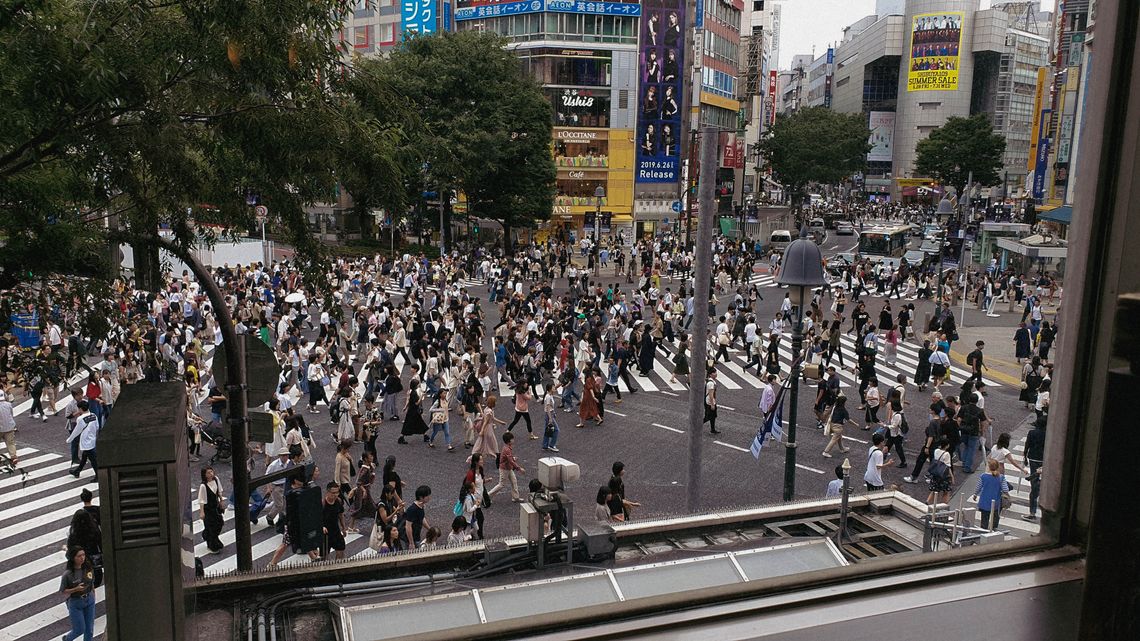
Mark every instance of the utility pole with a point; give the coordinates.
(703, 268)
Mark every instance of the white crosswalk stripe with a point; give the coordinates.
(733, 376)
(36, 520)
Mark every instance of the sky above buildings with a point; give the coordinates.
(820, 23)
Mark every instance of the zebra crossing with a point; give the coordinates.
(33, 537)
(734, 375)
(1019, 489)
(468, 283)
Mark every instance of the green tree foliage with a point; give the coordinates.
(485, 124)
(961, 146)
(121, 116)
(816, 145)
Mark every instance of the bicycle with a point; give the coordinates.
(9, 468)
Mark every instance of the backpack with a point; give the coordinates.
(971, 420)
(939, 471)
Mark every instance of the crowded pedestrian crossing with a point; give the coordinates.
(736, 373)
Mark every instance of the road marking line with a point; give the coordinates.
(666, 427)
(731, 409)
(669, 393)
(617, 413)
(810, 469)
(735, 447)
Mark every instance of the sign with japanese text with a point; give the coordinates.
(476, 9)
(419, 16)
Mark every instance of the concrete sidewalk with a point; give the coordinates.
(1000, 350)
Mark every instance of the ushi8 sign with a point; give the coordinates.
(419, 16)
(935, 39)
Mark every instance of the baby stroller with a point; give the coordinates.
(213, 434)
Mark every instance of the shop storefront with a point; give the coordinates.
(589, 158)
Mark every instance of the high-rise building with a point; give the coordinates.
(586, 57)
(760, 22)
(792, 84)
(913, 68)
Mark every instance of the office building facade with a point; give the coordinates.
(911, 71)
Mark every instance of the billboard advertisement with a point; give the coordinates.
(771, 97)
(661, 65)
(476, 9)
(419, 16)
(882, 126)
(934, 42)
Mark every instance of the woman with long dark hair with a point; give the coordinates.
(211, 507)
(413, 415)
(475, 478)
(78, 585)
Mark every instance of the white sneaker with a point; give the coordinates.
(909, 479)
(826, 455)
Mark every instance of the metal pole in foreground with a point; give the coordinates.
(236, 403)
(703, 268)
(793, 414)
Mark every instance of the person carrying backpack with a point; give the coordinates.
(971, 417)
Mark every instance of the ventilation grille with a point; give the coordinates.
(138, 506)
(623, 99)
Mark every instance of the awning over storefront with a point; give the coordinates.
(1034, 247)
(1062, 214)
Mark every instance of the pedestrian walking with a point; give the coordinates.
(835, 423)
(710, 401)
(78, 587)
(211, 508)
(991, 495)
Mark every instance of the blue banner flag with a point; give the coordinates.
(773, 424)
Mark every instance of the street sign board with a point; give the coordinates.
(261, 369)
(677, 206)
(262, 213)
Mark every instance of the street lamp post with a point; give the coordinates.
(843, 535)
(945, 208)
(802, 270)
(599, 194)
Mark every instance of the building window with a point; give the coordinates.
(386, 34)
(360, 37)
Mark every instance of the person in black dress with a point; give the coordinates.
(413, 415)
(672, 31)
(211, 508)
(670, 70)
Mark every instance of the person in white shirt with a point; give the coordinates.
(86, 432)
(835, 487)
(876, 461)
(8, 427)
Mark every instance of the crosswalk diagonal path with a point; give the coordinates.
(736, 373)
(33, 535)
(1019, 489)
(466, 283)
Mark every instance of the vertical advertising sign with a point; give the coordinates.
(1035, 133)
(882, 126)
(661, 69)
(419, 16)
(827, 80)
(934, 56)
(771, 97)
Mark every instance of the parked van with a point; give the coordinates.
(780, 240)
